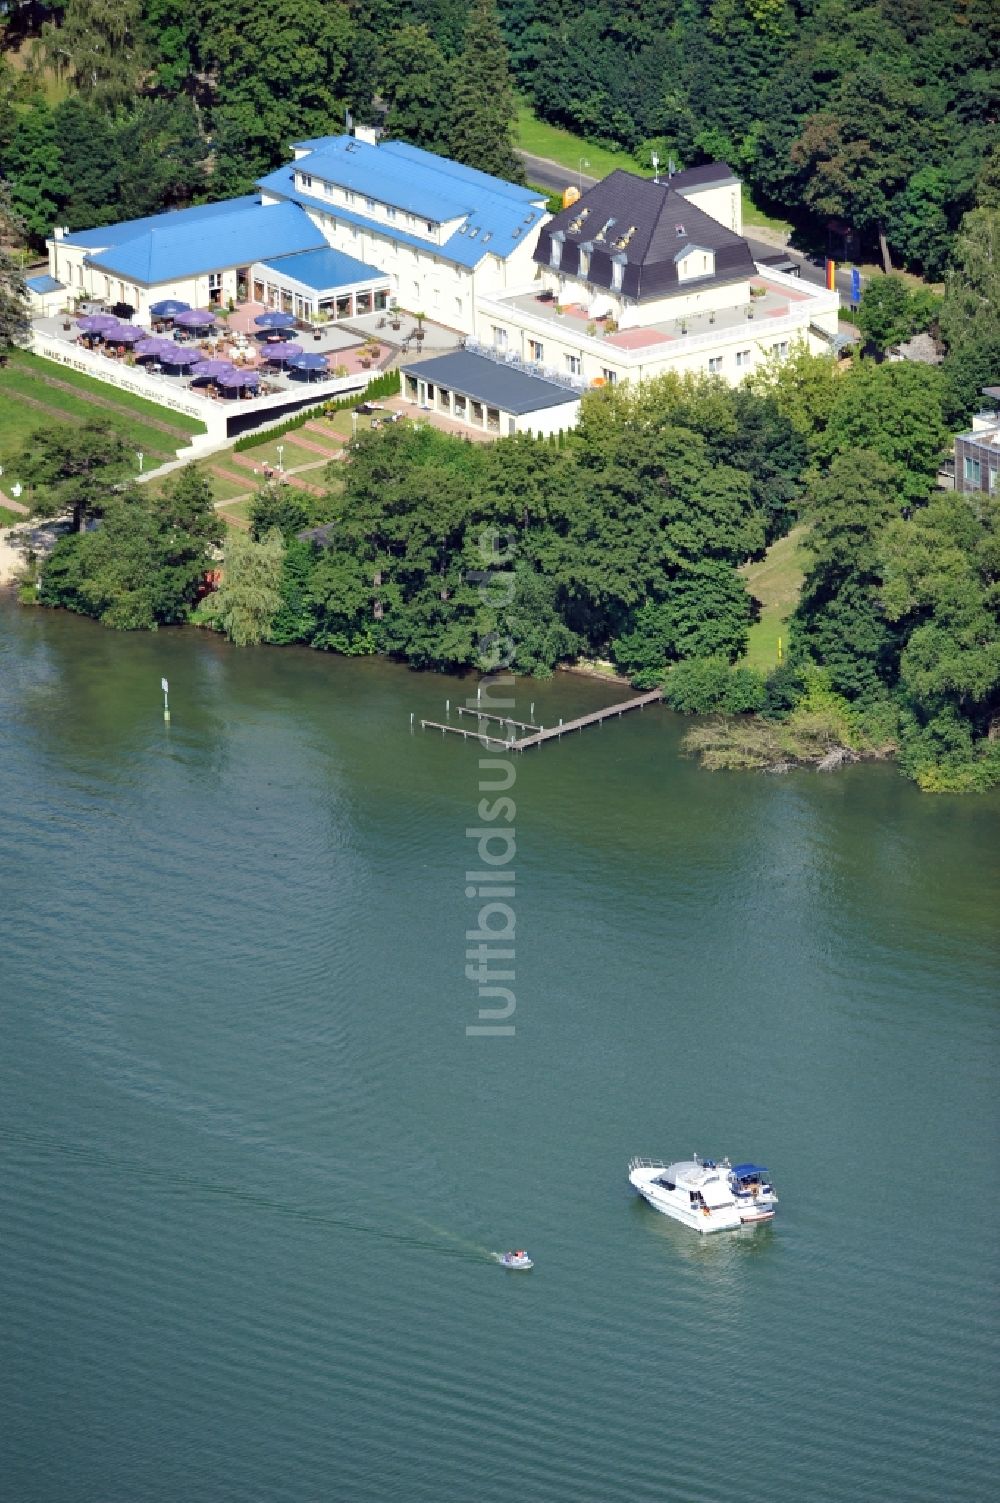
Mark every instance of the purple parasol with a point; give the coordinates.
(285, 350)
(234, 379)
(97, 323)
(195, 318)
(210, 370)
(169, 308)
(125, 334)
(175, 354)
(275, 320)
(310, 365)
(149, 346)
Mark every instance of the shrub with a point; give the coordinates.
(701, 685)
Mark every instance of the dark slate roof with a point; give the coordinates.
(648, 226)
(488, 381)
(700, 177)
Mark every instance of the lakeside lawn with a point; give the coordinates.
(543, 140)
(35, 393)
(776, 582)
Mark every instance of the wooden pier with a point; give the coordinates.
(541, 733)
(522, 725)
(583, 721)
(456, 730)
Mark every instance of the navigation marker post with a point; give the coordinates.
(166, 701)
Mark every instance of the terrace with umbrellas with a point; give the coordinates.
(246, 355)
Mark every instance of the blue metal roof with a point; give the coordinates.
(325, 270)
(744, 1171)
(116, 234)
(496, 215)
(175, 246)
(44, 284)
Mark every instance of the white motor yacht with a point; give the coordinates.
(705, 1194)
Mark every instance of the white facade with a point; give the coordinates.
(473, 409)
(731, 346)
(422, 278)
(67, 262)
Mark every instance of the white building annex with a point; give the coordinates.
(399, 225)
(637, 277)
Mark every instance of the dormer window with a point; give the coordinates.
(693, 262)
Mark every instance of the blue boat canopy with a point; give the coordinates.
(747, 1171)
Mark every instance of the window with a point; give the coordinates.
(610, 376)
(617, 267)
(574, 364)
(584, 262)
(781, 349)
(214, 280)
(555, 254)
(304, 180)
(536, 350)
(993, 478)
(499, 338)
(390, 212)
(370, 205)
(973, 471)
(715, 365)
(431, 226)
(743, 358)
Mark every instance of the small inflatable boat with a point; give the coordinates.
(518, 1259)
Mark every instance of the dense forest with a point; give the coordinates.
(877, 113)
(625, 540)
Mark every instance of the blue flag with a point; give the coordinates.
(855, 286)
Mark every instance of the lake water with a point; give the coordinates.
(253, 1167)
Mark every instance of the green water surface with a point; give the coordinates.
(253, 1167)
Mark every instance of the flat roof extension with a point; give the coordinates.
(496, 385)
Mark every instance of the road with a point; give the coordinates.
(543, 173)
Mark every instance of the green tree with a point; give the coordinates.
(280, 76)
(483, 107)
(14, 323)
(705, 613)
(897, 412)
(249, 597)
(884, 315)
(76, 469)
(97, 44)
(144, 564)
(417, 81)
(839, 622)
(278, 506)
(33, 165)
(972, 288)
(803, 388)
(941, 574)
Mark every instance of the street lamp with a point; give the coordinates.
(583, 163)
(281, 450)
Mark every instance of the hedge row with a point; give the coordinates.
(386, 385)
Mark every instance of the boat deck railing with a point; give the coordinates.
(647, 1164)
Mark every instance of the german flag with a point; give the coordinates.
(831, 276)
